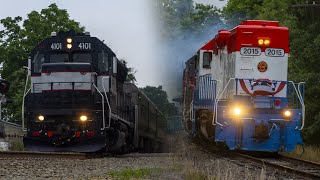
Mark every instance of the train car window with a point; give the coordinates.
(81, 57)
(207, 57)
(103, 62)
(37, 62)
(56, 58)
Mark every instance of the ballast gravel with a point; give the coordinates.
(190, 162)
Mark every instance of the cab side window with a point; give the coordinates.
(103, 60)
(207, 58)
(37, 62)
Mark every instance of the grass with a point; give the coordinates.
(310, 153)
(133, 173)
(196, 175)
(15, 145)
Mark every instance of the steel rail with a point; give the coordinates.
(42, 155)
(281, 167)
(300, 160)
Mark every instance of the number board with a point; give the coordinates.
(56, 46)
(84, 46)
(75, 46)
(273, 52)
(250, 51)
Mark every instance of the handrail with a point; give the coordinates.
(299, 84)
(104, 89)
(213, 123)
(303, 107)
(298, 92)
(301, 102)
(25, 92)
(103, 123)
(216, 102)
(191, 117)
(183, 103)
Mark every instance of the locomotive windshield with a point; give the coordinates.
(76, 57)
(81, 57)
(57, 58)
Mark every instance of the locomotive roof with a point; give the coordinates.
(208, 45)
(132, 87)
(45, 44)
(259, 24)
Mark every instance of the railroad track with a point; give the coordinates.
(302, 168)
(81, 156)
(286, 165)
(41, 155)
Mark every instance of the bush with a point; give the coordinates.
(16, 145)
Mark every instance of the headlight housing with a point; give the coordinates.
(236, 111)
(287, 114)
(41, 118)
(83, 118)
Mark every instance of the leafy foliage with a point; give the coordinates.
(181, 18)
(131, 72)
(16, 42)
(202, 18)
(160, 98)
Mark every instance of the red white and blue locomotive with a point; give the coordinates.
(236, 92)
(79, 100)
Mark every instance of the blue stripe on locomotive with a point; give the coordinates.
(205, 92)
(283, 135)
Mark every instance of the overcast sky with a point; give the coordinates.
(127, 26)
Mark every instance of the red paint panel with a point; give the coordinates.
(278, 36)
(247, 34)
(208, 46)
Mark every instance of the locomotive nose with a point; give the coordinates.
(62, 130)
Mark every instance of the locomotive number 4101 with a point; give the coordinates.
(58, 46)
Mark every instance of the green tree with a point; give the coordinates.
(237, 11)
(201, 20)
(131, 72)
(17, 41)
(171, 13)
(160, 98)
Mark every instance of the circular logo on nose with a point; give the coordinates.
(262, 66)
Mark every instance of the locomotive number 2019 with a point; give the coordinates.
(249, 51)
(84, 46)
(274, 52)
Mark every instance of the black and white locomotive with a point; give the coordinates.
(79, 101)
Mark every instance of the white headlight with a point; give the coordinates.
(287, 114)
(40, 118)
(83, 118)
(237, 111)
